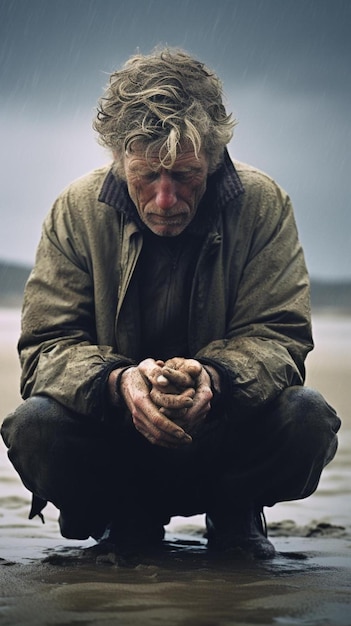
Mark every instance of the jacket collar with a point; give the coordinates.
(222, 187)
(225, 182)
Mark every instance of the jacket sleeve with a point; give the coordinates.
(58, 347)
(268, 333)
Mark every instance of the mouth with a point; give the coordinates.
(167, 225)
(178, 218)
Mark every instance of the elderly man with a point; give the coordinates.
(164, 331)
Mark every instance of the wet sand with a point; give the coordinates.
(45, 579)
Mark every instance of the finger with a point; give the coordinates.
(175, 415)
(198, 410)
(150, 370)
(189, 366)
(192, 367)
(172, 401)
(162, 380)
(156, 439)
(175, 377)
(175, 362)
(161, 431)
(164, 385)
(201, 402)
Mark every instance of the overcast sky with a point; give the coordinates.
(285, 66)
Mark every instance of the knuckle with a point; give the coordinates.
(152, 439)
(136, 419)
(159, 421)
(156, 438)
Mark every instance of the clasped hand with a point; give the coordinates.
(168, 400)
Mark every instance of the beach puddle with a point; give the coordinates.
(182, 586)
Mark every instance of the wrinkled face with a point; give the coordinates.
(166, 199)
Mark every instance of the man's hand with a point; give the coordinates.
(136, 385)
(168, 401)
(178, 376)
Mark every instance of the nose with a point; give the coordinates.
(166, 196)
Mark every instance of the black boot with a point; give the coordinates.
(242, 533)
(129, 536)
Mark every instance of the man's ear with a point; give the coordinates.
(118, 165)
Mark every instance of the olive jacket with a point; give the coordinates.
(249, 310)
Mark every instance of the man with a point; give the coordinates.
(164, 332)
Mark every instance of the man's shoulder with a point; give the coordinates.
(88, 184)
(78, 205)
(250, 174)
(258, 183)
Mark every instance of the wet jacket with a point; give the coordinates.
(249, 309)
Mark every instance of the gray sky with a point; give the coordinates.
(285, 66)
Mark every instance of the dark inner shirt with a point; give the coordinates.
(165, 273)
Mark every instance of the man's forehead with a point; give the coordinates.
(185, 158)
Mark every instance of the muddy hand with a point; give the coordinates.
(180, 372)
(186, 376)
(136, 389)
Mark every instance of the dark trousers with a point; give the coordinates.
(97, 471)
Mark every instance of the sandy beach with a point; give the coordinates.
(46, 580)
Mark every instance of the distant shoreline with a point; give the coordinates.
(331, 297)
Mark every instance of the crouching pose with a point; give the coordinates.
(164, 331)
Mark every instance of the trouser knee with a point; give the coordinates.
(307, 442)
(312, 422)
(283, 448)
(29, 430)
(29, 434)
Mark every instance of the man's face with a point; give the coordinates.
(166, 199)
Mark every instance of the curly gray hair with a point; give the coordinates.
(162, 100)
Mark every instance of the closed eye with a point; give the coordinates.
(182, 177)
(149, 176)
